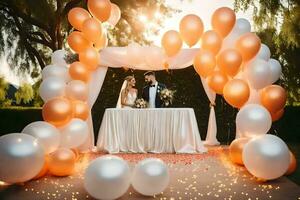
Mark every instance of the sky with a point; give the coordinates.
(203, 8)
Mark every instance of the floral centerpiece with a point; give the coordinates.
(140, 103)
(167, 96)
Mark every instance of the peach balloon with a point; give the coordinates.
(229, 62)
(191, 29)
(79, 71)
(101, 41)
(277, 115)
(204, 63)
(223, 20)
(216, 81)
(81, 110)
(77, 16)
(236, 150)
(62, 162)
(77, 154)
(78, 42)
(171, 42)
(293, 164)
(77, 90)
(90, 57)
(211, 41)
(57, 111)
(236, 92)
(92, 29)
(100, 9)
(115, 15)
(44, 170)
(273, 98)
(248, 45)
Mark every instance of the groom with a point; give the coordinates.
(151, 92)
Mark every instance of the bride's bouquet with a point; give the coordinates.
(167, 96)
(140, 103)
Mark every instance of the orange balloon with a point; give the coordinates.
(90, 57)
(211, 41)
(57, 111)
(236, 150)
(78, 42)
(236, 92)
(78, 71)
(77, 16)
(229, 62)
(248, 45)
(273, 98)
(293, 164)
(204, 63)
(276, 116)
(44, 170)
(171, 42)
(223, 21)
(81, 110)
(92, 29)
(191, 29)
(216, 81)
(62, 162)
(101, 42)
(100, 9)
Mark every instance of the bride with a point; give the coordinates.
(128, 93)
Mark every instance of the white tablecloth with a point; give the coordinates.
(163, 130)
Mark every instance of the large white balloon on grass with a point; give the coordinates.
(74, 134)
(150, 177)
(21, 157)
(61, 72)
(258, 74)
(58, 57)
(266, 157)
(46, 134)
(107, 177)
(52, 87)
(253, 120)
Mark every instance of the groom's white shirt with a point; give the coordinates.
(152, 95)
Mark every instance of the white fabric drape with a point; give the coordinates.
(211, 135)
(95, 85)
(150, 130)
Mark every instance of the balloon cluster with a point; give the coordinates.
(109, 177)
(234, 63)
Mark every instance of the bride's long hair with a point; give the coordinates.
(128, 79)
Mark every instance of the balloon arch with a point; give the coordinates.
(230, 60)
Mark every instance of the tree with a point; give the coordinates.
(278, 25)
(24, 94)
(42, 27)
(3, 90)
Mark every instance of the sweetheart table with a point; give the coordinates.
(158, 130)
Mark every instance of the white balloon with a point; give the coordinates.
(56, 71)
(254, 97)
(150, 177)
(46, 134)
(52, 87)
(115, 15)
(264, 53)
(258, 74)
(266, 157)
(58, 57)
(241, 27)
(107, 177)
(253, 120)
(74, 134)
(275, 70)
(77, 90)
(21, 158)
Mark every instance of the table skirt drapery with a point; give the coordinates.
(164, 130)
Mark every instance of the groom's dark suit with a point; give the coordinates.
(158, 101)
